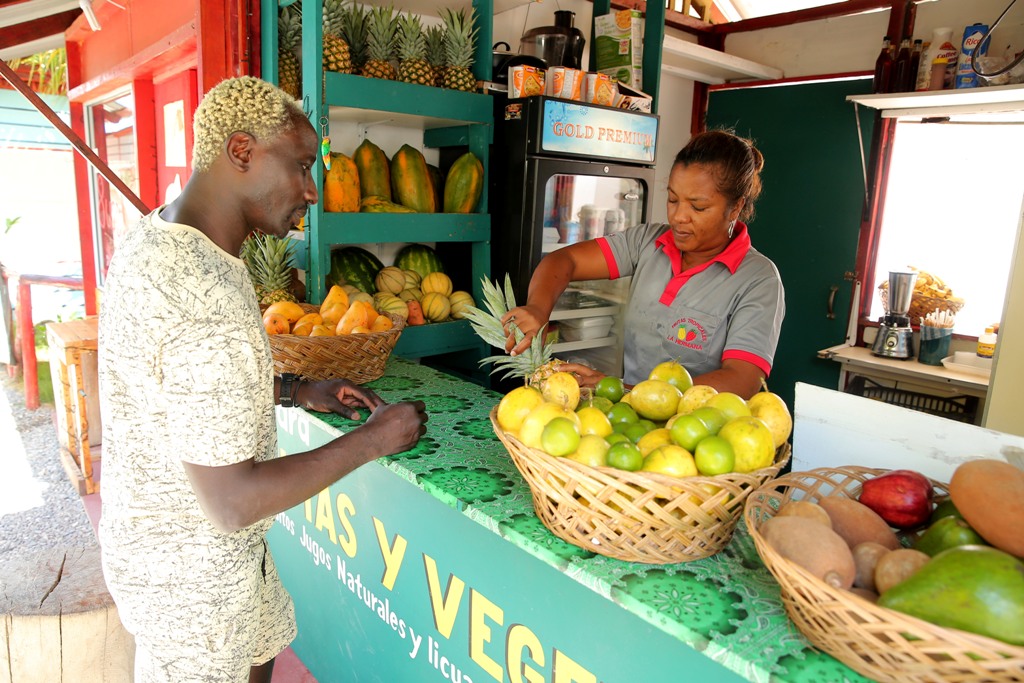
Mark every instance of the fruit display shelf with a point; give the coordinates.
(435, 559)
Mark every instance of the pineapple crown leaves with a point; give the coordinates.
(412, 43)
(333, 14)
(487, 325)
(353, 30)
(460, 36)
(434, 37)
(289, 28)
(382, 31)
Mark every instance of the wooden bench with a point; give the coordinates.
(60, 623)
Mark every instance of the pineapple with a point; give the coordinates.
(382, 35)
(267, 258)
(435, 53)
(289, 35)
(353, 30)
(336, 54)
(534, 365)
(412, 46)
(459, 45)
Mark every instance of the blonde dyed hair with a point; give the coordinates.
(244, 104)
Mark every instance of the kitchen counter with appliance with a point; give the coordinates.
(859, 360)
(432, 565)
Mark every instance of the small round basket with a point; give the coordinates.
(359, 358)
(880, 643)
(635, 516)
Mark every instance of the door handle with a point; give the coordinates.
(831, 314)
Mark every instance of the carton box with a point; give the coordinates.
(619, 46)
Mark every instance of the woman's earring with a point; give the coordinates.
(732, 226)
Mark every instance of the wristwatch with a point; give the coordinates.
(289, 385)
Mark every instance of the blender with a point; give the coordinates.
(895, 335)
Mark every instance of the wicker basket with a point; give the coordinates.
(634, 516)
(880, 643)
(920, 305)
(359, 358)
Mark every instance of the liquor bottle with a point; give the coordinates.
(901, 68)
(883, 69)
(915, 66)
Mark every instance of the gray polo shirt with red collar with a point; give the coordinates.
(729, 307)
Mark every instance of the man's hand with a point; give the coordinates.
(337, 396)
(397, 426)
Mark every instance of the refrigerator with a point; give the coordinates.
(562, 172)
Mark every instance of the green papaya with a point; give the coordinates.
(948, 532)
(973, 588)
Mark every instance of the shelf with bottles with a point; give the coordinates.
(981, 100)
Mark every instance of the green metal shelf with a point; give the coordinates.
(447, 118)
(433, 107)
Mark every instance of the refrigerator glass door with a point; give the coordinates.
(579, 207)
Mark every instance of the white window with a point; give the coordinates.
(952, 208)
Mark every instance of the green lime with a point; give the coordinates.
(617, 437)
(714, 418)
(636, 431)
(625, 456)
(561, 436)
(600, 402)
(611, 388)
(688, 431)
(714, 455)
(622, 412)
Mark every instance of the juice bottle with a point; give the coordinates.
(987, 343)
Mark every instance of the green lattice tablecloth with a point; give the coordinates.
(726, 606)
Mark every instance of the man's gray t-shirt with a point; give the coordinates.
(730, 307)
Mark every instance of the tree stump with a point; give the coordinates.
(60, 623)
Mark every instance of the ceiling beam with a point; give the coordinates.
(839, 9)
(28, 31)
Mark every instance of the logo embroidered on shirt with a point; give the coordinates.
(689, 333)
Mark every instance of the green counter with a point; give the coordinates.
(431, 566)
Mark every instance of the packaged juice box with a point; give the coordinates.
(619, 46)
(965, 76)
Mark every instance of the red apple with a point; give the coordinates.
(903, 498)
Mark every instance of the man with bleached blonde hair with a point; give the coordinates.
(191, 477)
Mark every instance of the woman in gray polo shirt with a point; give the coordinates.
(700, 293)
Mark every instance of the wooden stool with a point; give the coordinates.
(60, 623)
(70, 343)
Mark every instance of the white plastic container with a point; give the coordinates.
(579, 329)
(965, 361)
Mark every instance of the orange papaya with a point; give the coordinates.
(341, 185)
(374, 171)
(381, 205)
(410, 180)
(437, 185)
(464, 184)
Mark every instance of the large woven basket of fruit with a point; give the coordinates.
(893, 573)
(336, 340)
(657, 474)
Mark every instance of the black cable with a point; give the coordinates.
(987, 39)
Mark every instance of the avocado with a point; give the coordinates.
(945, 508)
(948, 532)
(973, 588)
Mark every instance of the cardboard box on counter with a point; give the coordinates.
(619, 46)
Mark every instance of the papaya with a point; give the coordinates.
(374, 171)
(410, 180)
(464, 184)
(437, 185)
(380, 205)
(972, 588)
(341, 185)
(990, 495)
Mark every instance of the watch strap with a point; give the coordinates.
(289, 385)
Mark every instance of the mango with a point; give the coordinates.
(972, 588)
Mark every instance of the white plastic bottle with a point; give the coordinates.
(987, 343)
(941, 46)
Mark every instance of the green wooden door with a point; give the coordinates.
(809, 215)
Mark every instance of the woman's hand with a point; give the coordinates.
(337, 396)
(529, 320)
(587, 376)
